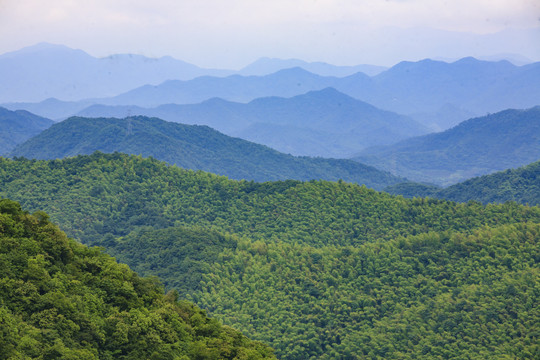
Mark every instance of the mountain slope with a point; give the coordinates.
(323, 123)
(476, 147)
(62, 300)
(521, 185)
(18, 126)
(192, 147)
(332, 270)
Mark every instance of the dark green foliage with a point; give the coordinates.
(18, 126)
(180, 255)
(92, 196)
(192, 147)
(317, 270)
(479, 146)
(521, 185)
(62, 300)
(412, 189)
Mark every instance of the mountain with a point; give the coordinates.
(192, 147)
(425, 87)
(470, 84)
(283, 83)
(435, 93)
(62, 300)
(319, 123)
(316, 269)
(265, 66)
(44, 71)
(478, 146)
(18, 126)
(521, 185)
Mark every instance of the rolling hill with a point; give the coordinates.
(478, 146)
(18, 126)
(192, 147)
(318, 269)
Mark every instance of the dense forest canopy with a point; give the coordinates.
(62, 300)
(318, 270)
(113, 194)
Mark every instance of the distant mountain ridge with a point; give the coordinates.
(57, 71)
(478, 146)
(436, 93)
(323, 123)
(192, 147)
(43, 71)
(18, 126)
(265, 66)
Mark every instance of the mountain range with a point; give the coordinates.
(192, 147)
(323, 123)
(437, 93)
(43, 71)
(478, 146)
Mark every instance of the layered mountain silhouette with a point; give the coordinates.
(18, 126)
(436, 93)
(320, 123)
(192, 147)
(478, 146)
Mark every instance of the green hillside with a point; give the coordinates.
(317, 270)
(479, 146)
(192, 147)
(521, 185)
(113, 194)
(62, 300)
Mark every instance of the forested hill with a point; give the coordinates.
(113, 194)
(18, 126)
(318, 270)
(192, 147)
(62, 300)
(476, 147)
(521, 185)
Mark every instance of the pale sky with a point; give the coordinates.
(233, 33)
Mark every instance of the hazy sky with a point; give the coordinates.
(233, 33)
